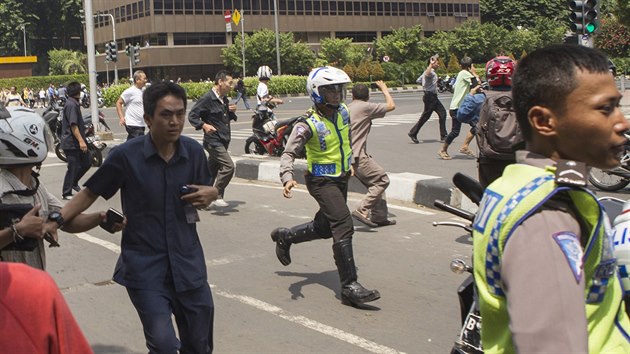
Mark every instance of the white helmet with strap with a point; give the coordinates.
(24, 137)
(264, 73)
(326, 76)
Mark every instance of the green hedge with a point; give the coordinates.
(37, 82)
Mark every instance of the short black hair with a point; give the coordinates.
(360, 92)
(466, 62)
(73, 89)
(220, 76)
(547, 76)
(155, 92)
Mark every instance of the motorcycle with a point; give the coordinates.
(270, 136)
(615, 179)
(445, 84)
(84, 100)
(52, 117)
(469, 338)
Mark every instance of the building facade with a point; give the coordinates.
(184, 38)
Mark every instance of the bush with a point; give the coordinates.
(37, 82)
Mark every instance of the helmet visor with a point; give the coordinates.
(333, 95)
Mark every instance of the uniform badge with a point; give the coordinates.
(570, 245)
(300, 130)
(571, 173)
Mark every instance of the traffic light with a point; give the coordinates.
(584, 16)
(136, 54)
(113, 51)
(128, 50)
(108, 51)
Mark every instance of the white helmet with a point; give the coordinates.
(24, 137)
(326, 76)
(264, 73)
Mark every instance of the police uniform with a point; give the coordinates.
(329, 156)
(543, 264)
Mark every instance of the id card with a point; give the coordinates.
(192, 215)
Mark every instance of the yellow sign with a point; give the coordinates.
(236, 17)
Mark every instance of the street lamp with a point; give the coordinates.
(24, 32)
(111, 17)
(275, 16)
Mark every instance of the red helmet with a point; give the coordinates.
(499, 71)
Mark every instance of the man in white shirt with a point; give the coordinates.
(133, 117)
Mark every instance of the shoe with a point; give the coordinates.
(444, 155)
(443, 138)
(76, 188)
(413, 138)
(362, 218)
(467, 152)
(220, 203)
(352, 292)
(67, 197)
(385, 223)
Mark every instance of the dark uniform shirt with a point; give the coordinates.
(213, 110)
(158, 245)
(71, 116)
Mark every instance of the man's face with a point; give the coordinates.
(167, 121)
(142, 80)
(590, 130)
(333, 94)
(225, 86)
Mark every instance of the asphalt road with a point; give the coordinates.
(263, 307)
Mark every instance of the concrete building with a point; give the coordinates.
(184, 38)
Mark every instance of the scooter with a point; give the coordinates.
(95, 147)
(469, 339)
(270, 135)
(446, 84)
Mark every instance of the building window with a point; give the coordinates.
(357, 36)
(196, 38)
(158, 7)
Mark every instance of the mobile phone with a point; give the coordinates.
(187, 190)
(113, 217)
(51, 240)
(435, 57)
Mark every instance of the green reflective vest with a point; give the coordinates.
(506, 203)
(328, 151)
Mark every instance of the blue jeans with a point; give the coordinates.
(242, 95)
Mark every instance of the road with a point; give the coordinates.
(263, 307)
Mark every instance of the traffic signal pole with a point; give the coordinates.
(111, 17)
(91, 59)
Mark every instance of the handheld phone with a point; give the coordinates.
(187, 190)
(113, 217)
(435, 57)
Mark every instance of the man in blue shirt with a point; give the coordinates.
(161, 263)
(73, 141)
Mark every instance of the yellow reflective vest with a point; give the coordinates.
(328, 151)
(506, 203)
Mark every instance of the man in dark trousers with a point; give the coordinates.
(429, 80)
(325, 133)
(372, 209)
(212, 114)
(73, 141)
(161, 263)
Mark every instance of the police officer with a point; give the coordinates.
(543, 259)
(325, 133)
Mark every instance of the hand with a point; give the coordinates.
(208, 128)
(31, 225)
(118, 226)
(121, 121)
(83, 146)
(475, 89)
(381, 85)
(351, 170)
(202, 197)
(287, 188)
(232, 107)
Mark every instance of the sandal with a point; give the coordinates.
(468, 152)
(444, 155)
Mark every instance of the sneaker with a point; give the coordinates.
(76, 188)
(386, 222)
(220, 203)
(467, 152)
(444, 155)
(413, 138)
(67, 197)
(362, 218)
(443, 138)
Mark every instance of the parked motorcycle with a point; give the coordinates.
(84, 99)
(615, 179)
(446, 84)
(52, 117)
(469, 338)
(270, 135)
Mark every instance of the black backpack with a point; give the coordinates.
(498, 132)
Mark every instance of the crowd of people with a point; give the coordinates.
(535, 226)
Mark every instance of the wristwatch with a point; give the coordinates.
(56, 217)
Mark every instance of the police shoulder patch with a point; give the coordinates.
(569, 244)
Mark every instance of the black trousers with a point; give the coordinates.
(431, 104)
(333, 218)
(134, 132)
(78, 165)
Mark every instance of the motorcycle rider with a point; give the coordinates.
(543, 254)
(263, 98)
(325, 133)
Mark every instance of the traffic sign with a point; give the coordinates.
(386, 58)
(228, 16)
(236, 17)
(228, 27)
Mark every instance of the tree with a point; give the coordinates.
(614, 38)
(401, 45)
(11, 16)
(512, 13)
(63, 62)
(334, 51)
(622, 12)
(260, 49)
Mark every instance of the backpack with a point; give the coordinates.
(498, 132)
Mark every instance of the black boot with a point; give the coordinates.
(352, 293)
(284, 237)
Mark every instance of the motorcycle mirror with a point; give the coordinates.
(469, 186)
